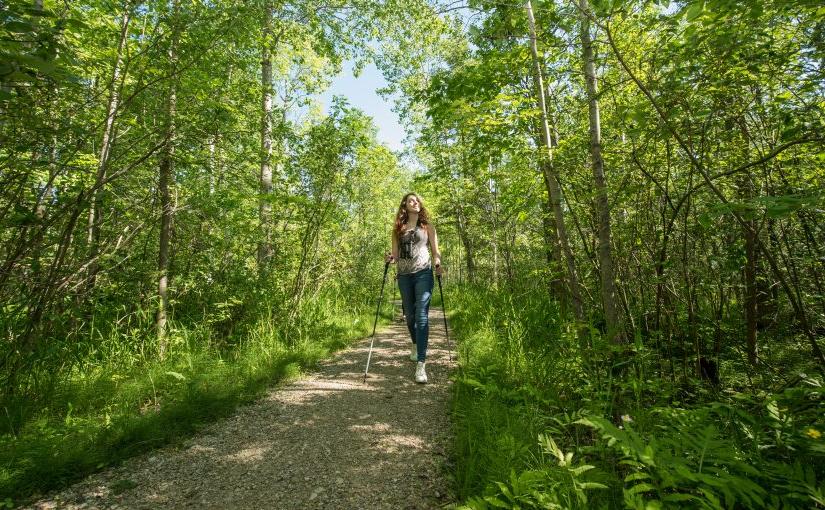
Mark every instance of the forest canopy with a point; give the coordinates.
(629, 195)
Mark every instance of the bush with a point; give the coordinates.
(536, 427)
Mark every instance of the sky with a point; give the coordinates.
(360, 92)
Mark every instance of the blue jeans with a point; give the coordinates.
(416, 291)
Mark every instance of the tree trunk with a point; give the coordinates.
(493, 188)
(165, 178)
(553, 253)
(551, 238)
(93, 238)
(468, 245)
(550, 178)
(751, 254)
(797, 304)
(265, 184)
(608, 279)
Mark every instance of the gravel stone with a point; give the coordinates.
(328, 440)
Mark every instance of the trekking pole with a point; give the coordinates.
(374, 324)
(444, 307)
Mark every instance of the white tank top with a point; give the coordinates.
(413, 255)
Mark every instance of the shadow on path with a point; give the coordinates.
(327, 441)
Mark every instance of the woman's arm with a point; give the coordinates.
(393, 255)
(434, 248)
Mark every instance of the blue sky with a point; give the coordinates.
(360, 92)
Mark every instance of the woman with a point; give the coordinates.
(411, 235)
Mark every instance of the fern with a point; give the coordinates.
(557, 485)
(688, 464)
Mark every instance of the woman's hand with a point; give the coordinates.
(439, 270)
(389, 259)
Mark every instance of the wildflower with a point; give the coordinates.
(626, 418)
(813, 433)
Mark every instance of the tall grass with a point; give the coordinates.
(537, 423)
(122, 400)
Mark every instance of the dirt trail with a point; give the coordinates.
(325, 441)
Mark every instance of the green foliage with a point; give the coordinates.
(758, 452)
(115, 410)
(557, 484)
(710, 114)
(689, 465)
(538, 437)
(84, 379)
(717, 135)
(508, 382)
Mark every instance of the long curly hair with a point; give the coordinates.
(401, 216)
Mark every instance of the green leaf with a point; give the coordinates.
(77, 24)
(694, 10)
(494, 501)
(636, 476)
(592, 485)
(581, 469)
(642, 487)
(18, 77)
(18, 27)
(678, 497)
(38, 64)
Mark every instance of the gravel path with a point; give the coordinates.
(325, 441)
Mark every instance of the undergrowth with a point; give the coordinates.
(540, 422)
(122, 402)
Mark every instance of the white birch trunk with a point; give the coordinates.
(165, 180)
(550, 178)
(608, 281)
(93, 236)
(265, 185)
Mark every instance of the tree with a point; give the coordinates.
(550, 178)
(108, 138)
(165, 179)
(608, 279)
(268, 40)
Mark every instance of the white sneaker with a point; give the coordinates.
(420, 373)
(414, 353)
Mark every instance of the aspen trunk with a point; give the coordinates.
(551, 238)
(265, 182)
(608, 279)
(493, 188)
(468, 245)
(93, 236)
(553, 254)
(750, 301)
(164, 181)
(549, 173)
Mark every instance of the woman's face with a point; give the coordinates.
(412, 204)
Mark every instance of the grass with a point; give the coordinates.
(536, 421)
(110, 410)
(496, 420)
